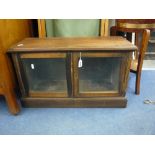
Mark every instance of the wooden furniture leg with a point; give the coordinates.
(7, 86)
(11, 101)
(137, 86)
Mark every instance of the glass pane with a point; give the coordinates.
(46, 75)
(99, 74)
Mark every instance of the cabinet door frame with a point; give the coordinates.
(123, 74)
(22, 76)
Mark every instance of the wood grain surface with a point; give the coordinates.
(73, 44)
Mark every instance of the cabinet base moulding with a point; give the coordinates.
(111, 102)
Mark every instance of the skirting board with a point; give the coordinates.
(106, 102)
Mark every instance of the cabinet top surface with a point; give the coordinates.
(73, 44)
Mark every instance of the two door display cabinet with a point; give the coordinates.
(72, 72)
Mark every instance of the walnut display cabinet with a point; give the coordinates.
(49, 74)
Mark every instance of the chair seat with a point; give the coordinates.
(134, 64)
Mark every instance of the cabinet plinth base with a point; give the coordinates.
(107, 102)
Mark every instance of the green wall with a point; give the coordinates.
(72, 27)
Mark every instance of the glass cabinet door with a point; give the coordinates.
(99, 74)
(45, 74)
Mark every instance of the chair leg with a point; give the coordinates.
(137, 86)
(11, 101)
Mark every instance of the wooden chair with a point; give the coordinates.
(127, 27)
(104, 26)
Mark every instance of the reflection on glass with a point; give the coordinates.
(99, 74)
(48, 75)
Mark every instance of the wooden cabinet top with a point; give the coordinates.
(73, 44)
